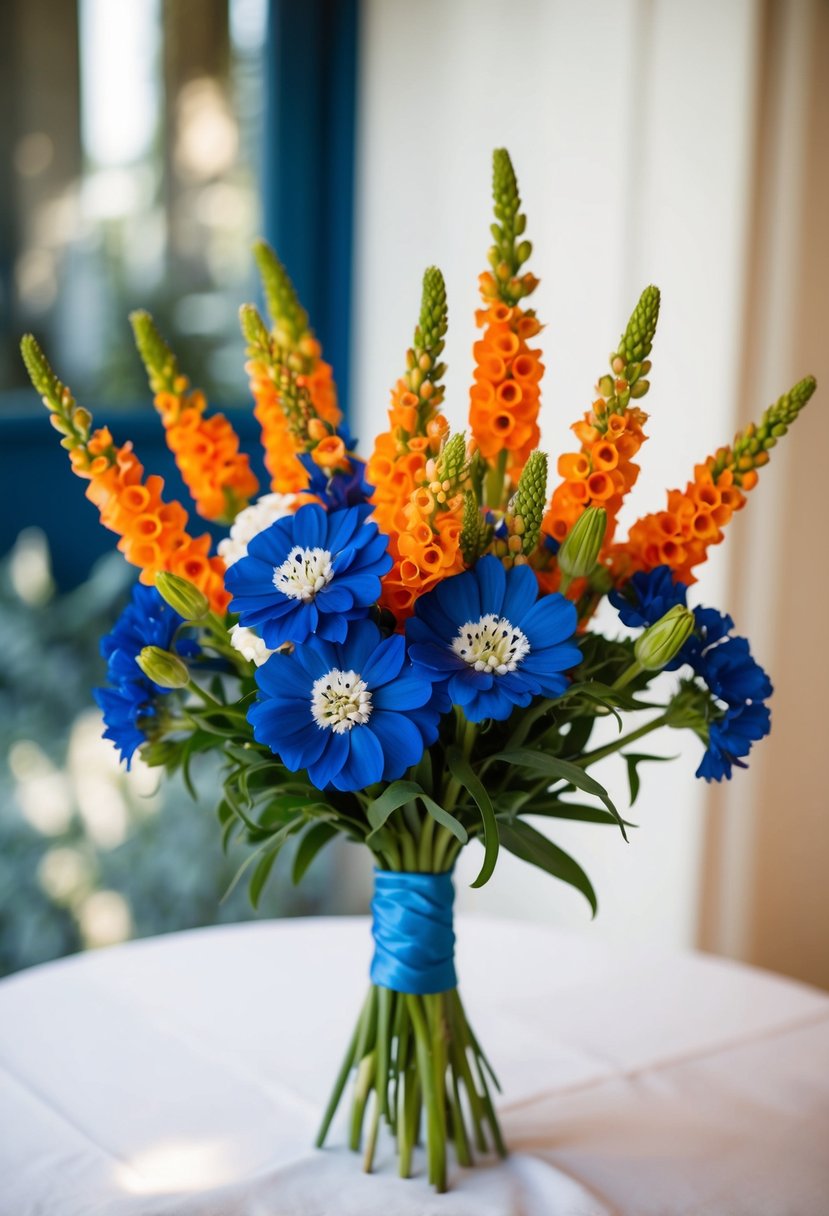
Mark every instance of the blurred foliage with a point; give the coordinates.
(89, 854)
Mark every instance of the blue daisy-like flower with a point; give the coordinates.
(487, 635)
(647, 596)
(351, 713)
(131, 697)
(309, 574)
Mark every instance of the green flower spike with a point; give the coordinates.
(527, 507)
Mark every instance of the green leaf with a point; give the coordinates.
(317, 836)
(260, 875)
(562, 770)
(393, 797)
(633, 759)
(555, 809)
(528, 844)
(444, 818)
(462, 771)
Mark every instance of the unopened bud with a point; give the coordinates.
(663, 640)
(580, 550)
(183, 597)
(163, 668)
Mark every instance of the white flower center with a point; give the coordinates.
(303, 573)
(491, 644)
(340, 701)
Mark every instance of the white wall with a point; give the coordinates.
(630, 125)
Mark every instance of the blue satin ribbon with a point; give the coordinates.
(414, 942)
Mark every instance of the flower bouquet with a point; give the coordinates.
(400, 650)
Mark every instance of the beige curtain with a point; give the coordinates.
(765, 896)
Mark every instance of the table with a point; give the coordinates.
(185, 1076)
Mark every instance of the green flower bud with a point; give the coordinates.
(163, 668)
(182, 596)
(529, 501)
(662, 641)
(580, 549)
(284, 308)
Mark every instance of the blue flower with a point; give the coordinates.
(131, 697)
(719, 658)
(723, 661)
(351, 713)
(646, 597)
(338, 490)
(492, 641)
(309, 573)
(731, 737)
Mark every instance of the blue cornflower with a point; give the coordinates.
(309, 574)
(492, 641)
(730, 738)
(131, 696)
(719, 658)
(647, 596)
(337, 489)
(351, 713)
(723, 661)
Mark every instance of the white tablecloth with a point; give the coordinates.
(186, 1076)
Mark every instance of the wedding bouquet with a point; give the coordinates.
(400, 650)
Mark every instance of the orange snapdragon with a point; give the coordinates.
(292, 336)
(681, 536)
(421, 518)
(216, 473)
(601, 473)
(505, 396)
(153, 533)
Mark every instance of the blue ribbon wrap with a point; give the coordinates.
(414, 942)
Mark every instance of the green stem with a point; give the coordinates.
(435, 1133)
(609, 749)
(495, 481)
(343, 1074)
(424, 853)
(630, 673)
(409, 851)
(442, 849)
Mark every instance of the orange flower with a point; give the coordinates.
(216, 473)
(425, 551)
(291, 336)
(611, 432)
(681, 536)
(505, 396)
(601, 473)
(296, 409)
(153, 533)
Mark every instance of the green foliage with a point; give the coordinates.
(528, 844)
